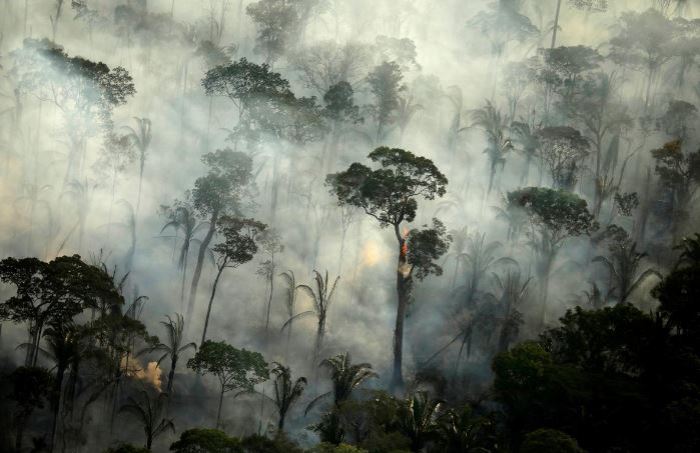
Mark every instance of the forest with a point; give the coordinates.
(349, 226)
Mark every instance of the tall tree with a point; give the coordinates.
(141, 137)
(679, 172)
(287, 391)
(562, 148)
(239, 246)
(148, 410)
(554, 216)
(52, 293)
(390, 195)
(321, 299)
(174, 348)
(277, 22)
(214, 196)
(182, 218)
(385, 85)
(236, 369)
(490, 119)
(644, 44)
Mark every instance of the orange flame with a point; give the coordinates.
(404, 246)
(150, 374)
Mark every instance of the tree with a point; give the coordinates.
(678, 292)
(271, 243)
(390, 195)
(277, 22)
(677, 121)
(492, 122)
(51, 293)
(239, 246)
(385, 85)
(502, 24)
(246, 84)
(214, 196)
(601, 116)
(623, 266)
(117, 156)
(549, 441)
(182, 218)
(565, 69)
(562, 148)
(321, 299)
(514, 292)
(147, 410)
(287, 391)
(85, 92)
(554, 216)
(289, 300)
(236, 369)
(679, 173)
(142, 139)
(324, 64)
(345, 377)
(173, 348)
(203, 440)
(461, 430)
(417, 418)
(644, 44)
(30, 388)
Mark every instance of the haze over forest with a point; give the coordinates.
(472, 222)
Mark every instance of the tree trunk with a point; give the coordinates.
(218, 412)
(211, 300)
(171, 375)
(200, 262)
(556, 24)
(403, 290)
(269, 304)
(56, 403)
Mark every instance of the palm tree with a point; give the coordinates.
(290, 300)
(417, 418)
(287, 392)
(321, 302)
(459, 245)
(345, 377)
(623, 266)
(478, 258)
(173, 348)
(494, 125)
(463, 432)
(148, 411)
(183, 219)
(527, 139)
(513, 292)
(141, 137)
(63, 346)
(404, 113)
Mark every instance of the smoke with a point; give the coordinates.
(454, 71)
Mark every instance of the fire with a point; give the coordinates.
(151, 374)
(404, 246)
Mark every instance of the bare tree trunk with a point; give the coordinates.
(211, 300)
(218, 412)
(403, 290)
(200, 262)
(171, 375)
(556, 24)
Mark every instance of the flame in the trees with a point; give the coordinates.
(404, 246)
(149, 374)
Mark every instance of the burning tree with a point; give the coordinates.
(390, 195)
